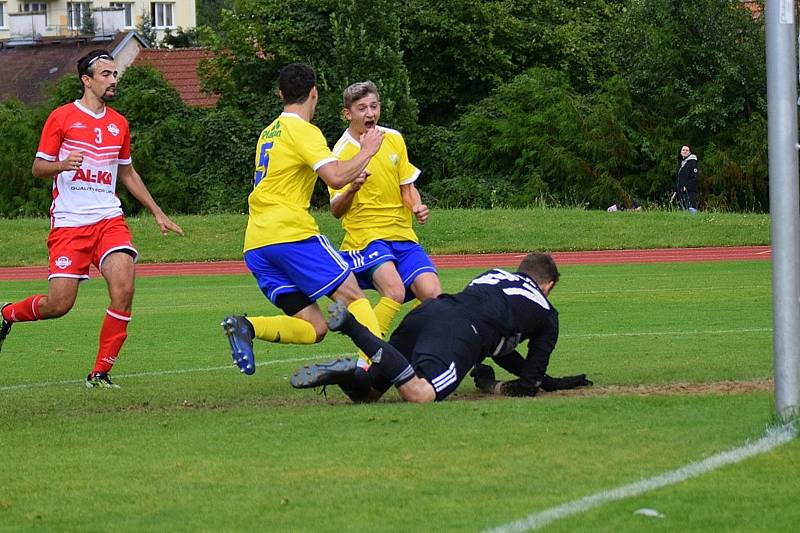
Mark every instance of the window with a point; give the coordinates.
(128, 8)
(32, 7)
(2, 14)
(161, 13)
(77, 12)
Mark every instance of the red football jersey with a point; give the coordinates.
(87, 195)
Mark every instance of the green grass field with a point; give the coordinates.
(189, 444)
(210, 238)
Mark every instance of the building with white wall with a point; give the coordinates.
(25, 21)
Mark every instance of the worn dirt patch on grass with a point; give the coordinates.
(670, 389)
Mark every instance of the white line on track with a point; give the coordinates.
(774, 437)
(158, 373)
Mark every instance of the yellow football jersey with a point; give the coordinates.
(377, 211)
(288, 154)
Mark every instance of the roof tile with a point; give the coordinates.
(179, 68)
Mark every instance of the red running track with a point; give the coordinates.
(603, 257)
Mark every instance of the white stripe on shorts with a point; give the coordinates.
(444, 379)
(323, 240)
(356, 258)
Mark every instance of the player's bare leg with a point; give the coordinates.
(417, 390)
(388, 283)
(61, 295)
(426, 286)
(313, 315)
(120, 272)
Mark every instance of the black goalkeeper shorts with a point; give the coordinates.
(441, 344)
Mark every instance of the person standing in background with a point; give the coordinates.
(686, 180)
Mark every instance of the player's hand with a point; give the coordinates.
(72, 162)
(518, 387)
(421, 211)
(483, 375)
(357, 183)
(371, 141)
(567, 382)
(165, 224)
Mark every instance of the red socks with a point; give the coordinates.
(26, 310)
(112, 336)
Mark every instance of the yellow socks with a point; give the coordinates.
(363, 312)
(385, 311)
(283, 329)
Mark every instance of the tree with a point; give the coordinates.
(366, 46)
(457, 51)
(146, 30)
(87, 22)
(696, 63)
(255, 40)
(181, 38)
(209, 12)
(537, 140)
(20, 193)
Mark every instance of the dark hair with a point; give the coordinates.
(359, 90)
(541, 267)
(86, 63)
(295, 83)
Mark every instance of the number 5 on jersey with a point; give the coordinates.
(263, 162)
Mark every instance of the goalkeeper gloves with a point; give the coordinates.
(518, 387)
(485, 381)
(483, 375)
(567, 382)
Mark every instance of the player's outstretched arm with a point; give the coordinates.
(133, 182)
(485, 381)
(550, 383)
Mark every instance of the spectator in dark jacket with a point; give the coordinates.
(686, 180)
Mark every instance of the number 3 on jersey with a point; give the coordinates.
(263, 162)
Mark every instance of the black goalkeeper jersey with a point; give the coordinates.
(509, 308)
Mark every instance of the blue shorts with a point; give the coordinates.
(409, 259)
(312, 267)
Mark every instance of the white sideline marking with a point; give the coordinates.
(296, 360)
(660, 333)
(156, 373)
(774, 437)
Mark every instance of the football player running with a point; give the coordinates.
(85, 148)
(293, 264)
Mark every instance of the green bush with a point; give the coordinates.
(537, 140)
(20, 193)
(557, 102)
(225, 147)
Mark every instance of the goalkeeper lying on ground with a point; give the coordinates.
(441, 341)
